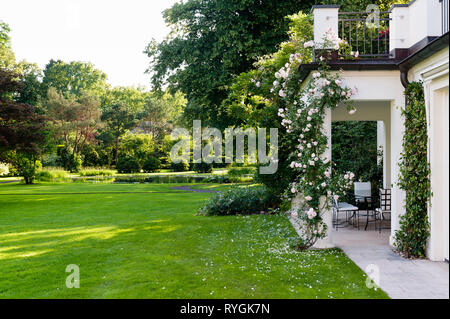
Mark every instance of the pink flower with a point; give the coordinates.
(294, 214)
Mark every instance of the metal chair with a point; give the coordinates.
(385, 208)
(343, 207)
(365, 203)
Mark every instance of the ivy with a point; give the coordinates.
(414, 177)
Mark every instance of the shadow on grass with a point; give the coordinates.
(44, 241)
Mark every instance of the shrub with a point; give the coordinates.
(241, 171)
(151, 165)
(52, 175)
(237, 200)
(4, 169)
(96, 172)
(28, 168)
(127, 164)
(203, 167)
(182, 166)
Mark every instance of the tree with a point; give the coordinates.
(118, 119)
(135, 98)
(7, 57)
(212, 41)
(74, 121)
(74, 78)
(31, 79)
(162, 111)
(22, 131)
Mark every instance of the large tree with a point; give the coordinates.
(75, 122)
(118, 119)
(74, 78)
(22, 130)
(211, 42)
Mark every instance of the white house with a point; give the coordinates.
(416, 47)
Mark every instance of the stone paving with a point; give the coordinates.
(400, 278)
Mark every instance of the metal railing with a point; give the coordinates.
(366, 33)
(444, 15)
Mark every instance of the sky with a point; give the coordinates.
(112, 34)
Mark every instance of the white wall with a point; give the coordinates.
(412, 24)
(434, 73)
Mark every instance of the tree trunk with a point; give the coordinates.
(117, 150)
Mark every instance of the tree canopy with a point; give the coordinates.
(212, 42)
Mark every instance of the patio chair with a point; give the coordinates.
(385, 208)
(365, 203)
(342, 207)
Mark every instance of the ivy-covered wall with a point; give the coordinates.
(414, 179)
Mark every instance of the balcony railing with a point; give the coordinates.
(444, 16)
(366, 32)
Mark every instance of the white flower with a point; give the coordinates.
(323, 184)
(258, 84)
(336, 197)
(275, 83)
(294, 214)
(308, 145)
(281, 93)
(315, 143)
(346, 176)
(293, 190)
(352, 175)
(308, 198)
(327, 174)
(292, 164)
(316, 75)
(309, 44)
(309, 118)
(351, 112)
(312, 163)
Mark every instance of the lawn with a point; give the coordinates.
(145, 241)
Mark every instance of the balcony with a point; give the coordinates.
(366, 32)
(384, 35)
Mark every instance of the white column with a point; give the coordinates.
(325, 17)
(397, 131)
(327, 217)
(399, 28)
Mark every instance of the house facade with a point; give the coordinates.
(411, 43)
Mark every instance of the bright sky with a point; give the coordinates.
(112, 34)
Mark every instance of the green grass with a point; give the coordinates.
(148, 243)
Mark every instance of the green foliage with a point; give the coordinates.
(237, 200)
(52, 175)
(68, 159)
(138, 146)
(211, 43)
(182, 166)
(27, 167)
(203, 167)
(128, 164)
(74, 78)
(119, 119)
(241, 171)
(354, 149)
(96, 172)
(414, 177)
(151, 165)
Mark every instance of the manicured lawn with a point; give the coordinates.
(148, 243)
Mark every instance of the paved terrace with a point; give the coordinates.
(399, 278)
